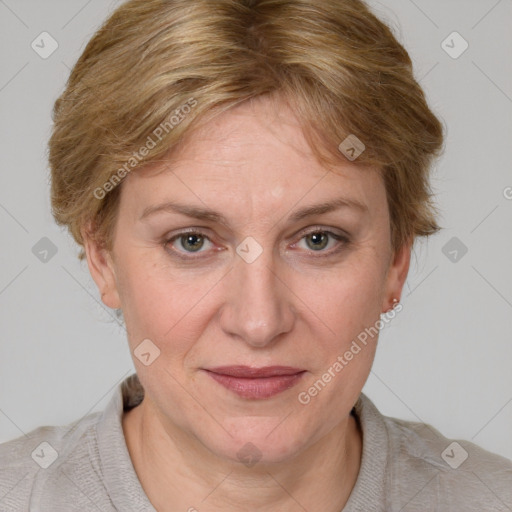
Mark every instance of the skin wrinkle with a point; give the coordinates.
(287, 307)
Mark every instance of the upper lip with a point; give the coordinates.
(252, 372)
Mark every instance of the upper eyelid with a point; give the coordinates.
(303, 232)
(308, 229)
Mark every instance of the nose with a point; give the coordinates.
(257, 309)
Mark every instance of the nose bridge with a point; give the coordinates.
(257, 309)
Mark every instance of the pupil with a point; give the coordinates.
(193, 241)
(318, 237)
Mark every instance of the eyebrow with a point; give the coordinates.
(211, 215)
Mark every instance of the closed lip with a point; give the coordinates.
(251, 372)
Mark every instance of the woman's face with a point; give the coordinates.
(258, 283)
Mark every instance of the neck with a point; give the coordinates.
(177, 472)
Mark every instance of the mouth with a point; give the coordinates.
(256, 383)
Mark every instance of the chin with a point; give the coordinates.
(263, 440)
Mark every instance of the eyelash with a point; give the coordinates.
(340, 238)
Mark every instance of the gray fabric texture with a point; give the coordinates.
(406, 466)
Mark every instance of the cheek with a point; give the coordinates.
(349, 307)
(162, 303)
(349, 298)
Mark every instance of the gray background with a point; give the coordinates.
(444, 360)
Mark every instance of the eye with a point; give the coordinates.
(189, 242)
(184, 245)
(319, 239)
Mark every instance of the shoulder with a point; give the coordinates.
(50, 462)
(426, 467)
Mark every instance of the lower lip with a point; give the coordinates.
(257, 388)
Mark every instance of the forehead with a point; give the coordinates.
(256, 155)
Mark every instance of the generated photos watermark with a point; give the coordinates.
(151, 142)
(342, 361)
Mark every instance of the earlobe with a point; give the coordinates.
(396, 276)
(101, 267)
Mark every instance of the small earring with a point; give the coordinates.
(395, 303)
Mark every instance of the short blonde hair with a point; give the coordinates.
(334, 62)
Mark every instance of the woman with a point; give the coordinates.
(247, 179)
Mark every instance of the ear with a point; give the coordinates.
(396, 275)
(101, 267)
